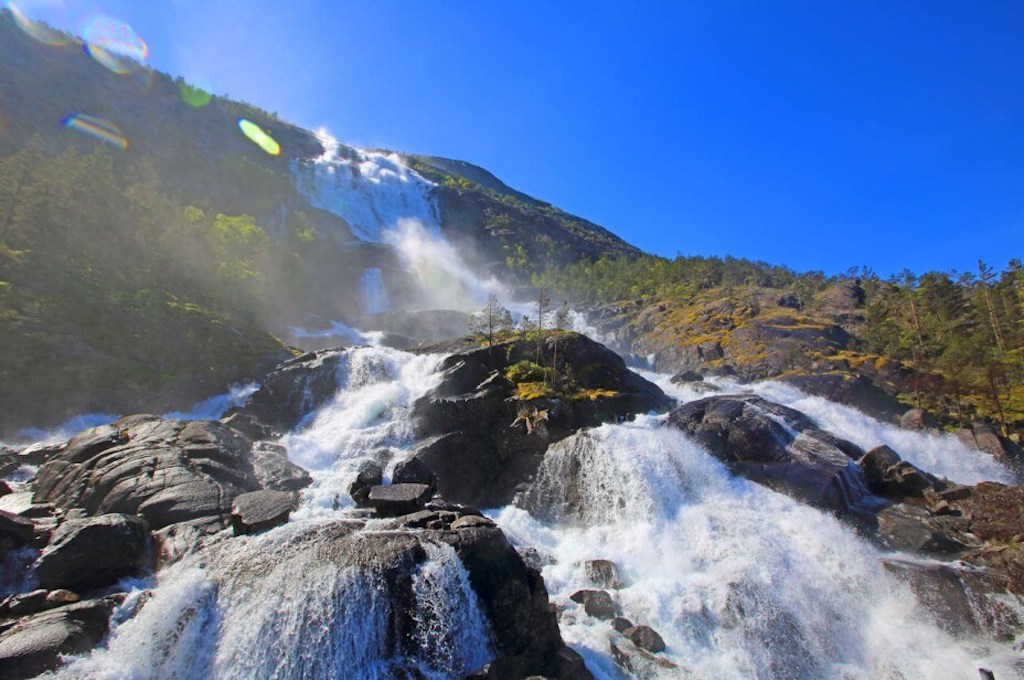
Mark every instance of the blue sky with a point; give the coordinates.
(820, 135)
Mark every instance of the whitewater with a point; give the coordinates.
(740, 581)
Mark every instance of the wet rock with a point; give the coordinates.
(35, 644)
(603, 574)
(914, 529)
(639, 662)
(859, 391)
(414, 471)
(259, 510)
(621, 624)
(370, 474)
(918, 419)
(292, 390)
(891, 477)
(15, 531)
(25, 604)
(167, 471)
(780, 448)
(483, 442)
(398, 499)
(5, 488)
(94, 552)
(687, 377)
(274, 471)
(596, 603)
(646, 638)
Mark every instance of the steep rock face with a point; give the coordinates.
(166, 471)
(483, 433)
(780, 448)
(94, 552)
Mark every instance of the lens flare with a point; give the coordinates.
(196, 97)
(258, 137)
(114, 44)
(29, 17)
(99, 128)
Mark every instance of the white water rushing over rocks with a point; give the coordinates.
(741, 582)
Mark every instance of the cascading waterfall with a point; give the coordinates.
(741, 582)
(370, 190)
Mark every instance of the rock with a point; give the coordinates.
(24, 604)
(859, 391)
(35, 644)
(94, 552)
(414, 471)
(603, 574)
(646, 638)
(890, 477)
(398, 499)
(918, 419)
(641, 663)
(789, 301)
(5, 488)
(471, 521)
(61, 597)
(596, 603)
(292, 390)
(984, 437)
(274, 471)
(875, 463)
(780, 448)
(483, 441)
(687, 377)
(258, 510)
(370, 474)
(15, 532)
(167, 471)
(914, 529)
(621, 624)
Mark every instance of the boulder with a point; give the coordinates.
(596, 603)
(35, 644)
(5, 488)
(914, 529)
(414, 471)
(274, 471)
(646, 638)
(36, 601)
(94, 552)
(398, 499)
(780, 448)
(483, 438)
(470, 522)
(370, 474)
(888, 476)
(603, 574)
(687, 377)
(15, 531)
(918, 419)
(621, 624)
(258, 510)
(167, 471)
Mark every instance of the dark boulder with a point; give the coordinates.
(91, 553)
(370, 474)
(168, 471)
(687, 377)
(398, 499)
(274, 471)
(15, 531)
(780, 448)
(414, 471)
(596, 603)
(258, 510)
(292, 391)
(645, 638)
(621, 624)
(603, 574)
(5, 488)
(914, 529)
(483, 437)
(888, 476)
(35, 644)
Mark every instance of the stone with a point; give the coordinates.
(35, 644)
(891, 477)
(687, 377)
(274, 471)
(5, 488)
(370, 474)
(15, 531)
(603, 574)
(914, 529)
(646, 638)
(414, 471)
(471, 521)
(94, 552)
(398, 499)
(621, 624)
(258, 510)
(596, 603)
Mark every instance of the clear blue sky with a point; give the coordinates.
(815, 134)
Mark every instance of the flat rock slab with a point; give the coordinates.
(398, 499)
(258, 510)
(94, 552)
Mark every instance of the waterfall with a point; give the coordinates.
(740, 581)
(375, 294)
(283, 605)
(370, 190)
